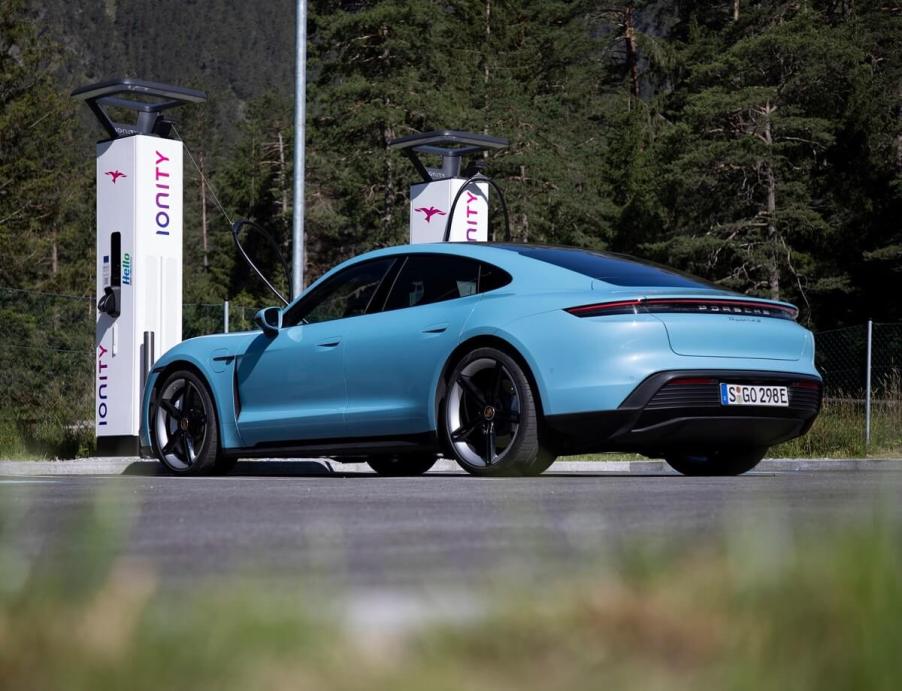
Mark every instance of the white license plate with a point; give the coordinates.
(754, 394)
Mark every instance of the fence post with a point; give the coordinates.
(225, 317)
(867, 391)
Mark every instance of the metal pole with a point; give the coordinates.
(300, 115)
(867, 393)
(225, 317)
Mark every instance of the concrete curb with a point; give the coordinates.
(324, 466)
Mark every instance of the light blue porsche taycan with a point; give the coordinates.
(500, 356)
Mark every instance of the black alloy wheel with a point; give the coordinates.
(490, 417)
(184, 429)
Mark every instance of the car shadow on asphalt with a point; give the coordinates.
(310, 468)
(252, 469)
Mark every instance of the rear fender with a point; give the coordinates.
(486, 338)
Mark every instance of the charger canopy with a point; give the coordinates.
(451, 145)
(147, 99)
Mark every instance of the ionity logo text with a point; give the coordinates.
(162, 195)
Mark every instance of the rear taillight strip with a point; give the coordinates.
(619, 307)
(686, 306)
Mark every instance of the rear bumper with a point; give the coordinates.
(682, 409)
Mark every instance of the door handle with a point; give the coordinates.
(329, 342)
(436, 329)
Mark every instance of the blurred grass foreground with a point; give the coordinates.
(762, 608)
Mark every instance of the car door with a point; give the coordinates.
(391, 356)
(291, 386)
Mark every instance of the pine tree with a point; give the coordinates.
(383, 69)
(45, 234)
(868, 190)
(759, 118)
(520, 70)
(256, 185)
(42, 179)
(545, 96)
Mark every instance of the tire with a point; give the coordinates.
(490, 419)
(719, 462)
(542, 462)
(186, 443)
(405, 465)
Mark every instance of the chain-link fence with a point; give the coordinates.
(862, 371)
(883, 387)
(47, 371)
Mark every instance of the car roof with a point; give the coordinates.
(503, 255)
(611, 268)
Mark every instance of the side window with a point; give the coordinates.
(492, 278)
(347, 294)
(428, 278)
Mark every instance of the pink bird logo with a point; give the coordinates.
(430, 211)
(115, 175)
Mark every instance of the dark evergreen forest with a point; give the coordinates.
(758, 144)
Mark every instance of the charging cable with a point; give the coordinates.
(477, 177)
(238, 225)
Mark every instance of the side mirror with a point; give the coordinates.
(269, 319)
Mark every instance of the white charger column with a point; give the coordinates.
(139, 178)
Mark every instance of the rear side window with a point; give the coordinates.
(492, 278)
(428, 278)
(611, 268)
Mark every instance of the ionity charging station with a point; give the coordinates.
(139, 248)
(450, 203)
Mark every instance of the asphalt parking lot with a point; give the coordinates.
(360, 530)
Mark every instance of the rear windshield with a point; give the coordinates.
(611, 268)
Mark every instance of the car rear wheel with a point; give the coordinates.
(490, 417)
(184, 428)
(405, 465)
(728, 461)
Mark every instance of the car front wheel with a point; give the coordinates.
(184, 429)
(490, 417)
(718, 462)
